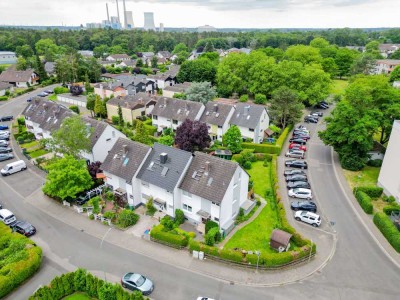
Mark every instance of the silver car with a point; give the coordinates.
(137, 282)
(295, 154)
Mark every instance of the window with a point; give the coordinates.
(216, 219)
(187, 194)
(146, 184)
(155, 117)
(175, 122)
(187, 207)
(219, 126)
(251, 129)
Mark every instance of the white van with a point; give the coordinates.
(13, 167)
(7, 217)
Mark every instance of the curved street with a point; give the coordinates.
(359, 269)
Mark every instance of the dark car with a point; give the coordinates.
(29, 99)
(322, 105)
(5, 149)
(303, 136)
(24, 228)
(293, 172)
(298, 184)
(6, 118)
(3, 127)
(137, 282)
(317, 113)
(300, 141)
(6, 156)
(304, 205)
(301, 164)
(296, 177)
(310, 119)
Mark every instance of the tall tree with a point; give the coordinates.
(40, 69)
(90, 102)
(120, 116)
(209, 47)
(395, 74)
(201, 92)
(344, 60)
(99, 108)
(141, 133)
(22, 64)
(285, 107)
(198, 70)
(232, 139)
(192, 136)
(66, 178)
(304, 54)
(363, 64)
(154, 62)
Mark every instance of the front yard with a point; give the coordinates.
(366, 177)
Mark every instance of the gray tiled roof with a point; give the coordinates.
(125, 164)
(98, 129)
(120, 56)
(216, 113)
(211, 185)
(166, 175)
(247, 115)
(133, 101)
(48, 114)
(176, 109)
(12, 75)
(178, 88)
(5, 85)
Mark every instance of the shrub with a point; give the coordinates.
(109, 215)
(375, 163)
(3, 98)
(21, 121)
(388, 229)
(262, 148)
(247, 165)
(232, 255)
(388, 209)
(75, 109)
(244, 98)
(127, 218)
(260, 99)
(115, 119)
(352, 162)
(168, 238)
(60, 90)
(282, 138)
(91, 217)
(210, 224)
(95, 202)
(213, 236)
(372, 191)
(179, 216)
(365, 201)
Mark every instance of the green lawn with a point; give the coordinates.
(255, 236)
(368, 177)
(38, 153)
(52, 97)
(30, 144)
(338, 86)
(78, 296)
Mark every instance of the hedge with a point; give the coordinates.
(82, 281)
(372, 191)
(281, 140)
(18, 262)
(388, 229)
(388, 209)
(165, 237)
(3, 98)
(365, 201)
(262, 148)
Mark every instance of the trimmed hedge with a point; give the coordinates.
(365, 201)
(388, 209)
(282, 138)
(20, 259)
(262, 148)
(82, 281)
(165, 237)
(388, 229)
(372, 191)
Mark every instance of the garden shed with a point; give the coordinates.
(280, 240)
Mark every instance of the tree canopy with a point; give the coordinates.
(192, 136)
(201, 92)
(199, 70)
(232, 139)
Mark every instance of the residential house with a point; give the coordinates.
(164, 54)
(241, 50)
(4, 87)
(134, 84)
(106, 63)
(132, 106)
(42, 117)
(147, 55)
(213, 189)
(126, 63)
(389, 174)
(86, 53)
(102, 139)
(161, 175)
(386, 66)
(252, 121)
(387, 49)
(180, 88)
(167, 78)
(170, 112)
(109, 89)
(50, 68)
(118, 57)
(121, 167)
(19, 78)
(7, 57)
(217, 116)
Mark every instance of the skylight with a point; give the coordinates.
(125, 161)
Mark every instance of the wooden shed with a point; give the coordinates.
(280, 240)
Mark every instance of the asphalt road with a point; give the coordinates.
(358, 270)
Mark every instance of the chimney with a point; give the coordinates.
(125, 150)
(207, 168)
(163, 157)
(216, 107)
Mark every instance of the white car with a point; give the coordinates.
(308, 217)
(300, 193)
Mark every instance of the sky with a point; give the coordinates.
(217, 13)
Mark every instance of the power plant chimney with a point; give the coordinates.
(125, 22)
(108, 15)
(118, 12)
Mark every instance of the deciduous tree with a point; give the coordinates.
(199, 70)
(192, 136)
(232, 139)
(201, 92)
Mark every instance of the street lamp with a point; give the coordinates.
(101, 247)
(258, 258)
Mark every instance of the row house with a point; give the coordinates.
(386, 66)
(118, 57)
(217, 116)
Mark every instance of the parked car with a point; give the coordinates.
(291, 172)
(6, 156)
(13, 167)
(4, 137)
(5, 132)
(86, 196)
(322, 105)
(7, 217)
(295, 146)
(304, 205)
(5, 149)
(298, 141)
(4, 143)
(49, 92)
(302, 127)
(298, 184)
(310, 119)
(295, 154)
(3, 127)
(24, 228)
(301, 131)
(29, 99)
(301, 164)
(300, 193)
(137, 282)
(317, 113)
(308, 217)
(303, 136)
(42, 94)
(6, 118)
(296, 177)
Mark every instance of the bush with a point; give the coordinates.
(168, 238)
(365, 201)
(60, 90)
(372, 191)
(388, 229)
(75, 109)
(3, 98)
(127, 218)
(210, 224)
(21, 121)
(247, 165)
(115, 119)
(109, 215)
(262, 148)
(389, 209)
(232, 255)
(375, 163)
(352, 162)
(244, 98)
(213, 236)
(260, 99)
(179, 216)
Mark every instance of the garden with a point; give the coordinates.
(20, 258)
